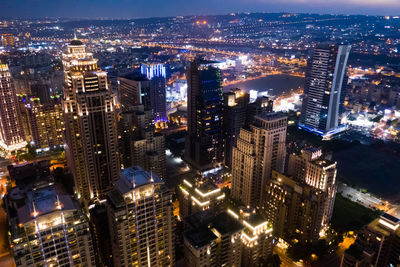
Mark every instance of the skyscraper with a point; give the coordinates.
(235, 109)
(46, 123)
(325, 89)
(311, 168)
(377, 244)
(295, 209)
(141, 221)
(139, 144)
(203, 144)
(133, 90)
(213, 239)
(260, 149)
(199, 195)
(50, 229)
(156, 73)
(238, 112)
(12, 136)
(90, 122)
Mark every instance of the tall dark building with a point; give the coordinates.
(133, 89)
(139, 144)
(263, 104)
(324, 89)
(157, 76)
(235, 106)
(238, 112)
(203, 144)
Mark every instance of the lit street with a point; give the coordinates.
(368, 200)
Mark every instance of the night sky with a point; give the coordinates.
(152, 8)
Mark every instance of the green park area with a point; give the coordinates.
(374, 168)
(350, 216)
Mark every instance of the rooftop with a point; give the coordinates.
(224, 223)
(200, 238)
(324, 163)
(43, 201)
(76, 42)
(135, 177)
(270, 116)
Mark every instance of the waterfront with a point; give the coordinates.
(274, 84)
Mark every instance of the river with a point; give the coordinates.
(274, 84)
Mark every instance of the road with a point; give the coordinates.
(286, 261)
(368, 200)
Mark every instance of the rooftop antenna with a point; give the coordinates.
(34, 209)
(133, 181)
(151, 175)
(58, 203)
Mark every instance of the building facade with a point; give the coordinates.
(295, 209)
(133, 90)
(212, 239)
(310, 167)
(140, 218)
(12, 137)
(46, 124)
(235, 110)
(156, 74)
(50, 230)
(377, 244)
(90, 121)
(197, 196)
(325, 89)
(139, 144)
(204, 142)
(260, 149)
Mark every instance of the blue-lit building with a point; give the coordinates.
(324, 90)
(204, 144)
(156, 73)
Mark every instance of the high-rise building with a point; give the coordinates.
(133, 90)
(196, 196)
(12, 136)
(227, 238)
(204, 144)
(141, 220)
(46, 123)
(377, 244)
(235, 110)
(260, 149)
(310, 167)
(262, 104)
(212, 240)
(156, 73)
(139, 144)
(297, 165)
(50, 229)
(238, 112)
(90, 122)
(257, 239)
(325, 89)
(295, 209)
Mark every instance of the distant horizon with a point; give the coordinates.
(195, 15)
(142, 9)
